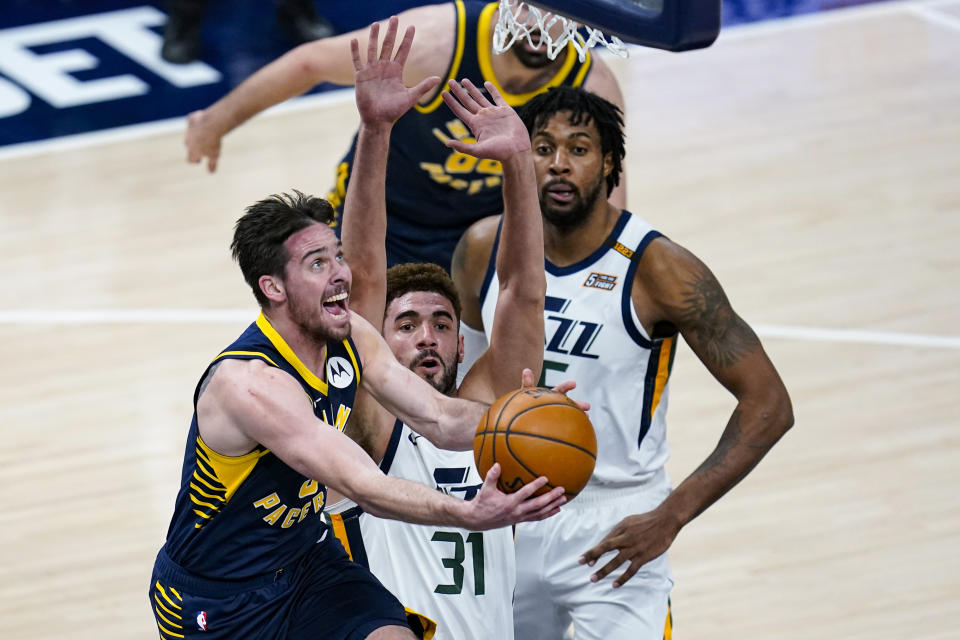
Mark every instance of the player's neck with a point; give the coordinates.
(564, 246)
(311, 353)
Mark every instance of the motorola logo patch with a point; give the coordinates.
(339, 372)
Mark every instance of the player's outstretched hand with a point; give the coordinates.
(637, 539)
(202, 140)
(499, 131)
(381, 95)
(492, 508)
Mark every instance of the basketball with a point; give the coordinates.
(536, 432)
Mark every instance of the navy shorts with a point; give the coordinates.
(324, 595)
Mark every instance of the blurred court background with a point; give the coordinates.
(813, 161)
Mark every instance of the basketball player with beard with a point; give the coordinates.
(434, 192)
(247, 553)
(619, 295)
(461, 579)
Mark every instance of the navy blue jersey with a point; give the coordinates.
(434, 193)
(237, 517)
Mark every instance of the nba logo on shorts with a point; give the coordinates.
(202, 620)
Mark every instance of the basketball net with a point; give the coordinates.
(519, 20)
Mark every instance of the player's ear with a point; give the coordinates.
(272, 287)
(607, 164)
(460, 349)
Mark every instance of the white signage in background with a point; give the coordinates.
(49, 75)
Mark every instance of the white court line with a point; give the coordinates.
(814, 334)
(776, 25)
(231, 316)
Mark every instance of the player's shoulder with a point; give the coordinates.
(473, 250)
(667, 268)
(435, 35)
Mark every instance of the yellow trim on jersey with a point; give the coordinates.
(164, 618)
(281, 345)
(429, 626)
(164, 607)
(246, 353)
(167, 598)
(663, 373)
(484, 49)
(230, 471)
(457, 58)
(168, 632)
(336, 521)
(668, 625)
(353, 359)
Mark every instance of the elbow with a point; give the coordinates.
(525, 290)
(779, 415)
(307, 62)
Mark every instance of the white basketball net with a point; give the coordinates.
(519, 20)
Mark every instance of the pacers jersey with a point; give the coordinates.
(463, 580)
(237, 517)
(433, 192)
(593, 336)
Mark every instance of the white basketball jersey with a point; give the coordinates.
(463, 580)
(593, 336)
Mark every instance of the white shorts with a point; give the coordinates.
(553, 589)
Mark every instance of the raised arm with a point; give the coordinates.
(517, 334)
(447, 422)
(687, 295)
(382, 98)
(299, 70)
(249, 402)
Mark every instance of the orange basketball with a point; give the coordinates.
(536, 432)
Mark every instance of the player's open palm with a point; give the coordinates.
(637, 539)
(492, 508)
(498, 129)
(381, 95)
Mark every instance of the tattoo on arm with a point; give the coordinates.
(718, 462)
(722, 336)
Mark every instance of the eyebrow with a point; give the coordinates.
(410, 313)
(576, 134)
(320, 251)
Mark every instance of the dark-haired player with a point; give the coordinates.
(247, 554)
(434, 192)
(461, 578)
(618, 296)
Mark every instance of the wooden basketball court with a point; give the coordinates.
(813, 163)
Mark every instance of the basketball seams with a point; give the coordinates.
(493, 425)
(550, 439)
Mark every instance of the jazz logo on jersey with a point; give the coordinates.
(601, 281)
(339, 372)
(202, 620)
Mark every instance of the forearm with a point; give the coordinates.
(284, 78)
(458, 423)
(365, 221)
(750, 433)
(399, 499)
(520, 257)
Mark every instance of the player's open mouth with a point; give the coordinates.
(336, 305)
(561, 192)
(430, 365)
